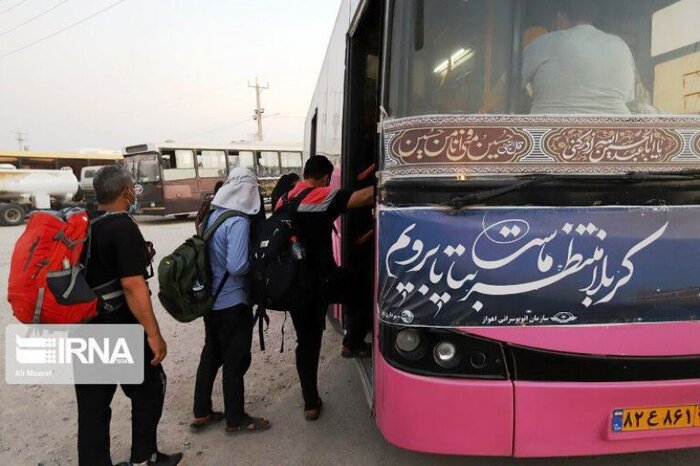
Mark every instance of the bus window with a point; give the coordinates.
(455, 60)
(211, 163)
(291, 162)
(180, 165)
(40, 164)
(232, 160)
(76, 164)
(9, 160)
(650, 59)
(144, 168)
(148, 170)
(246, 159)
(571, 57)
(269, 164)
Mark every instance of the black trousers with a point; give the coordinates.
(309, 323)
(358, 322)
(359, 306)
(228, 336)
(95, 414)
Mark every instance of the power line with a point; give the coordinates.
(220, 128)
(12, 7)
(17, 26)
(237, 123)
(70, 26)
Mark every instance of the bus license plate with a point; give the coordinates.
(669, 417)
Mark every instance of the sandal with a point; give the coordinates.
(249, 425)
(362, 352)
(202, 423)
(314, 413)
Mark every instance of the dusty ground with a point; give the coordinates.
(38, 423)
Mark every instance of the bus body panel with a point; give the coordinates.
(513, 417)
(575, 419)
(421, 413)
(181, 196)
(610, 340)
(164, 188)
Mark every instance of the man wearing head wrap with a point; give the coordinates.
(229, 327)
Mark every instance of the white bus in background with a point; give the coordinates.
(173, 178)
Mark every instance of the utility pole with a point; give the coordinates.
(20, 139)
(257, 116)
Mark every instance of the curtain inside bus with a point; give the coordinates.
(550, 56)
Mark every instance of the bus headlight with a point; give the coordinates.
(441, 352)
(408, 340)
(446, 355)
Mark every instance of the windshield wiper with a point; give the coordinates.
(532, 180)
(480, 197)
(686, 174)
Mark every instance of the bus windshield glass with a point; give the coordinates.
(552, 57)
(143, 168)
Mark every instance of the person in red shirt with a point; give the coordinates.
(314, 221)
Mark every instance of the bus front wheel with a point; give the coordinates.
(11, 215)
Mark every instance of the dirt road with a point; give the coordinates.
(38, 423)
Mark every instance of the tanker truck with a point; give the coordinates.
(22, 191)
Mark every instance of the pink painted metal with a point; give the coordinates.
(437, 415)
(522, 419)
(570, 419)
(536, 419)
(665, 339)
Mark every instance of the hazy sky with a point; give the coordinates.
(150, 70)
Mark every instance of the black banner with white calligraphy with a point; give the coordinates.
(539, 266)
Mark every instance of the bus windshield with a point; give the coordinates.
(549, 57)
(143, 168)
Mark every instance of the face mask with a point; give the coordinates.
(133, 206)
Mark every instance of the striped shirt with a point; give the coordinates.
(315, 217)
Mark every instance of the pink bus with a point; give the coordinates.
(535, 270)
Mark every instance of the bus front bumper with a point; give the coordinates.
(522, 419)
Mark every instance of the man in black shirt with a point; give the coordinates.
(118, 252)
(317, 211)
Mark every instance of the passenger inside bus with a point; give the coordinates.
(578, 69)
(575, 56)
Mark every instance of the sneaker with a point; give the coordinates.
(158, 459)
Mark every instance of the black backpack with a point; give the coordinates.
(280, 279)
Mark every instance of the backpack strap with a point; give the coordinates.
(209, 232)
(263, 321)
(224, 279)
(294, 203)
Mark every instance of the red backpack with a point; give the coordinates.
(47, 283)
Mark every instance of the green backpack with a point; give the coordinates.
(185, 278)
